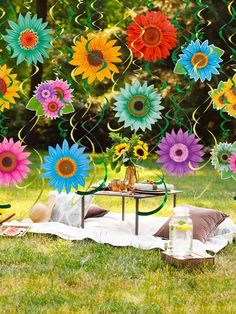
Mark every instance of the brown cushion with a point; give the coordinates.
(205, 221)
(95, 211)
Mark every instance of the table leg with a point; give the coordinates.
(123, 208)
(174, 200)
(136, 215)
(82, 210)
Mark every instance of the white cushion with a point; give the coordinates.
(68, 208)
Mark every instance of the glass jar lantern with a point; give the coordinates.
(181, 232)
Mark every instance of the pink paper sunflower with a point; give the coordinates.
(52, 106)
(232, 163)
(13, 162)
(62, 90)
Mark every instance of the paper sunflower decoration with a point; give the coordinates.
(224, 97)
(151, 36)
(13, 162)
(66, 167)
(138, 106)
(95, 56)
(199, 61)
(8, 88)
(223, 159)
(52, 99)
(178, 151)
(232, 163)
(28, 39)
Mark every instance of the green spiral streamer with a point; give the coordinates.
(225, 131)
(63, 131)
(5, 206)
(3, 128)
(152, 212)
(179, 94)
(198, 29)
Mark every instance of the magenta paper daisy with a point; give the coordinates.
(178, 151)
(13, 162)
(62, 90)
(44, 91)
(52, 106)
(232, 163)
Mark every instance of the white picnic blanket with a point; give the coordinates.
(112, 230)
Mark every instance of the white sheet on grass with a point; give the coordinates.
(112, 230)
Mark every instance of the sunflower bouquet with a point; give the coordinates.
(126, 151)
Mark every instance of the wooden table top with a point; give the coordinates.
(137, 194)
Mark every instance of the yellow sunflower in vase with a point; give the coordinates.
(95, 56)
(121, 149)
(8, 88)
(141, 150)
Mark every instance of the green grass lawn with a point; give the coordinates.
(45, 274)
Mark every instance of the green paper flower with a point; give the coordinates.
(28, 39)
(138, 106)
(221, 155)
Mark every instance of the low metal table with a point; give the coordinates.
(136, 196)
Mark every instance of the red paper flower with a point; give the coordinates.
(151, 36)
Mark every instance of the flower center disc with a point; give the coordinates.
(234, 107)
(224, 158)
(152, 36)
(138, 106)
(200, 60)
(66, 167)
(28, 39)
(59, 92)
(140, 152)
(95, 58)
(3, 86)
(179, 152)
(53, 106)
(8, 162)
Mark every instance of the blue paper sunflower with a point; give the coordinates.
(28, 39)
(66, 167)
(138, 106)
(200, 61)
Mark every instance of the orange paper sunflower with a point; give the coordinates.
(151, 36)
(8, 87)
(94, 57)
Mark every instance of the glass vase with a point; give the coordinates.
(131, 176)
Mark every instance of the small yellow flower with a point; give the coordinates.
(140, 152)
(121, 149)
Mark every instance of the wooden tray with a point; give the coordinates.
(194, 260)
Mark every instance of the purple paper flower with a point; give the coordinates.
(44, 91)
(177, 151)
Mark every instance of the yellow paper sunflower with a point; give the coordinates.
(140, 152)
(121, 149)
(95, 56)
(231, 93)
(8, 88)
